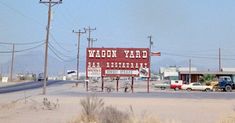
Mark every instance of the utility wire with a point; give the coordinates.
(60, 58)
(20, 13)
(52, 49)
(23, 49)
(54, 40)
(189, 56)
(58, 50)
(28, 43)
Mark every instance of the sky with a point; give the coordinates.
(181, 29)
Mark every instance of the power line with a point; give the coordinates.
(60, 58)
(56, 42)
(58, 50)
(20, 13)
(23, 50)
(26, 43)
(190, 56)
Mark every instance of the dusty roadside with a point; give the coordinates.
(28, 107)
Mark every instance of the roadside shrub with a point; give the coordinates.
(110, 114)
(207, 79)
(94, 111)
(228, 120)
(91, 106)
(145, 117)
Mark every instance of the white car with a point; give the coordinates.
(196, 86)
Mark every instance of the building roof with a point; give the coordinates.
(208, 72)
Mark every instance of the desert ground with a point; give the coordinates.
(28, 106)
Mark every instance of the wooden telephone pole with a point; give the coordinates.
(150, 47)
(50, 4)
(12, 61)
(89, 35)
(78, 53)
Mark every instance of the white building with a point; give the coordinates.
(172, 72)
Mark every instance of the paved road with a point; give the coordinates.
(64, 91)
(30, 85)
(154, 94)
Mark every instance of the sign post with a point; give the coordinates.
(132, 84)
(102, 85)
(117, 83)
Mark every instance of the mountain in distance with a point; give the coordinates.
(33, 62)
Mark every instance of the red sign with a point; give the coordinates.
(113, 62)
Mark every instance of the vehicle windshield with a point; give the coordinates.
(166, 82)
(172, 78)
(224, 78)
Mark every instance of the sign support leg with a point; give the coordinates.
(117, 84)
(132, 84)
(102, 85)
(148, 84)
(87, 83)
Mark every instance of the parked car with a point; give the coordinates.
(196, 86)
(162, 85)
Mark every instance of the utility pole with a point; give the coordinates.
(150, 47)
(79, 36)
(220, 69)
(50, 4)
(1, 70)
(92, 41)
(89, 35)
(190, 66)
(12, 61)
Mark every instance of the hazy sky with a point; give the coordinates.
(181, 29)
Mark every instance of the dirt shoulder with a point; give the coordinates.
(14, 108)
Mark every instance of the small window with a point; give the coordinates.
(196, 84)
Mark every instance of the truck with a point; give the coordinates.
(226, 83)
(162, 85)
(176, 84)
(172, 84)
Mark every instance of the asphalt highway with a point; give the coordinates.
(81, 92)
(30, 85)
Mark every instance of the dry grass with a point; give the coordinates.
(229, 119)
(110, 114)
(94, 111)
(91, 106)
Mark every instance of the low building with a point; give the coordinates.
(172, 72)
(195, 75)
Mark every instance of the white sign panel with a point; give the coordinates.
(4, 79)
(122, 72)
(94, 71)
(144, 72)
